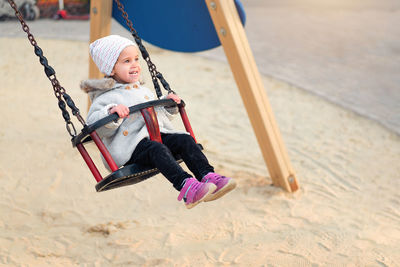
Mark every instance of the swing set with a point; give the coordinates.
(221, 13)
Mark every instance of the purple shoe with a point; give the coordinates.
(194, 192)
(224, 185)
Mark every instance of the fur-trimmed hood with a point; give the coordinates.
(95, 87)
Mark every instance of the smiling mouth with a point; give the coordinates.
(134, 72)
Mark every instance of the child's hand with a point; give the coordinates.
(174, 97)
(121, 110)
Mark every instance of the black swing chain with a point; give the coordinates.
(155, 75)
(59, 91)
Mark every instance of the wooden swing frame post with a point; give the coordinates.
(100, 26)
(237, 50)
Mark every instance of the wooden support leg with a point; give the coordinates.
(234, 41)
(100, 26)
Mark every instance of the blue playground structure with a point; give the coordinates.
(177, 25)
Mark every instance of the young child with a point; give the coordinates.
(128, 140)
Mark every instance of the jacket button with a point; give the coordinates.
(136, 86)
(125, 133)
(127, 87)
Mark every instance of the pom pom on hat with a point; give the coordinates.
(105, 51)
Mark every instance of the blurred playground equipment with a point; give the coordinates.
(28, 9)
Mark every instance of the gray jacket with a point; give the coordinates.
(122, 137)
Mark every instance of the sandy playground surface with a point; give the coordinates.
(346, 212)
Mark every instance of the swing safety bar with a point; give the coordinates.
(87, 129)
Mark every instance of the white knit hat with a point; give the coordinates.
(105, 51)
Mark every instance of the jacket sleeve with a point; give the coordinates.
(170, 110)
(100, 109)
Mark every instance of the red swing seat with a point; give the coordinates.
(133, 173)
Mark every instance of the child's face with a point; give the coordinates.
(127, 68)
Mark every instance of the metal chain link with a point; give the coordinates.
(155, 75)
(59, 91)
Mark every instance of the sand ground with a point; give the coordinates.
(345, 213)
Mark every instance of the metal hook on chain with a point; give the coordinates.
(70, 128)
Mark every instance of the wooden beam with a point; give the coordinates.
(100, 26)
(237, 49)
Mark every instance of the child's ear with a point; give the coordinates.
(112, 73)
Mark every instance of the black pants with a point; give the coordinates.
(154, 154)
